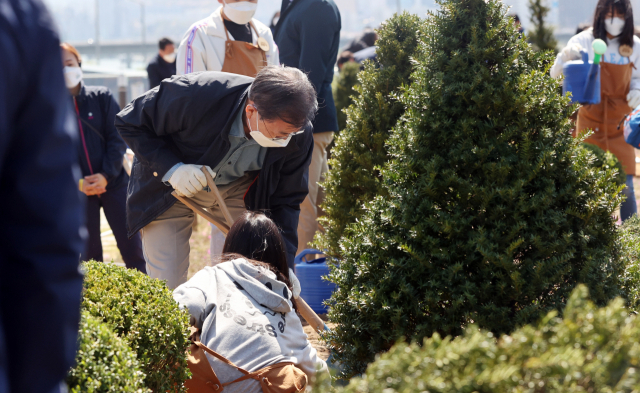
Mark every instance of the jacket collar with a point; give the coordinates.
(82, 95)
(215, 25)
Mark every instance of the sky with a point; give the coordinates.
(120, 19)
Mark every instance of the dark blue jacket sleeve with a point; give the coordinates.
(42, 212)
(115, 146)
(154, 75)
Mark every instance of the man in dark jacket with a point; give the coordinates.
(41, 219)
(242, 130)
(162, 66)
(308, 35)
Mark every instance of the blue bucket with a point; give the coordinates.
(313, 289)
(582, 80)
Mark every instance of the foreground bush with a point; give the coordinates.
(104, 362)
(590, 350)
(491, 214)
(142, 312)
(360, 148)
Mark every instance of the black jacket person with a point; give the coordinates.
(198, 120)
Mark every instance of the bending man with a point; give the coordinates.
(253, 135)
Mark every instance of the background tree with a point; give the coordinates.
(360, 149)
(541, 35)
(343, 90)
(488, 211)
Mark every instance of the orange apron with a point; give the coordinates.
(242, 57)
(603, 119)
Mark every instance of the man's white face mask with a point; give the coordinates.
(614, 26)
(170, 58)
(240, 12)
(263, 141)
(72, 76)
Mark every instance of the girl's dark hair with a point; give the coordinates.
(255, 237)
(284, 93)
(608, 6)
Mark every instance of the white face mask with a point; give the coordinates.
(72, 76)
(240, 12)
(263, 140)
(170, 58)
(614, 26)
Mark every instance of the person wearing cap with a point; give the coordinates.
(252, 135)
(229, 40)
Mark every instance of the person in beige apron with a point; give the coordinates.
(229, 40)
(620, 85)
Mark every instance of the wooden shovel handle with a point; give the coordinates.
(223, 206)
(310, 316)
(202, 212)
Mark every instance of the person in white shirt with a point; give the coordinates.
(620, 85)
(208, 45)
(203, 46)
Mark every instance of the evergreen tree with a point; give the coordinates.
(343, 90)
(541, 36)
(489, 212)
(360, 148)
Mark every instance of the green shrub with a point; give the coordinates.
(343, 90)
(360, 148)
(104, 362)
(630, 246)
(490, 213)
(607, 161)
(590, 350)
(142, 311)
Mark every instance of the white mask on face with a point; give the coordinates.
(240, 12)
(263, 140)
(170, 58)
(614, 26)
(72, 76)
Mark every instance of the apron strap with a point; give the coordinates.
(254, 29)
(223, 25)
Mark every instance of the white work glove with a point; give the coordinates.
(295, 283)
(571, 52)
(633, 98)
(188, 180)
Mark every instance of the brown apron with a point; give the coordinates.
(603, 119)
(242, 57)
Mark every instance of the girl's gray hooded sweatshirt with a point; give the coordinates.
(246, 315)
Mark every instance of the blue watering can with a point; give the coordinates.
(314, 289)
(582, 78)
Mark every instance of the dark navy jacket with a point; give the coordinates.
(187, 119)
(308, 36)
(106, 148)
(158, 69)
(41, 211)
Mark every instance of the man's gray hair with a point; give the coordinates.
(284, 93)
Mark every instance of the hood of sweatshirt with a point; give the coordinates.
(261, 284)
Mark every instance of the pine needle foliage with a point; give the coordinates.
(343, 90)
(541, 35)
(490, 213)
(590, 349)
(360, 148)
